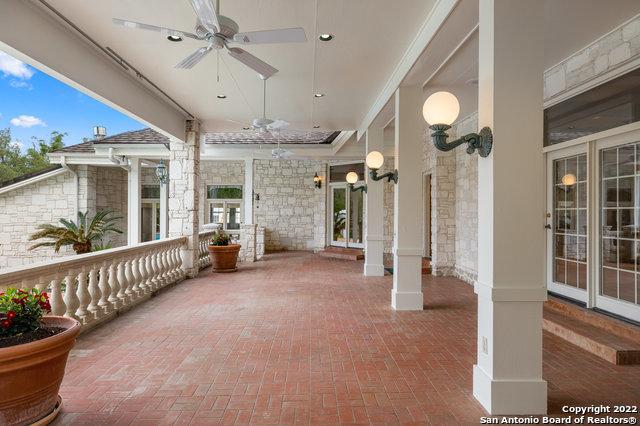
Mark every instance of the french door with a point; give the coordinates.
(347, 208)
(568, 223)
(593, 223)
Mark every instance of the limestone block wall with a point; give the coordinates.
(218, 173)
(87, 176)
(611, 51)
(111, 194)
(289, 204)
(22, 209)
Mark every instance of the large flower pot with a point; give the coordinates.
(31, 373)
(224, 258)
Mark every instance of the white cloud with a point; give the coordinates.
(20, 84)
(13, 67)
(27, 121)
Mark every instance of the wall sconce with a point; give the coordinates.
(317, 181)
(375, 160)
(440, 110)
(352, 178)
(162, 173)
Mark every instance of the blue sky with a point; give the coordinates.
(34, 104)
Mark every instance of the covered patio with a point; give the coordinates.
(305, 340)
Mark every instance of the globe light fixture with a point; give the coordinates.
(352, 178)
(162, 173)
(317, 181)
(569, 179)
(440, 110)
(374, 161)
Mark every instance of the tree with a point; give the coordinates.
(14, 163)
(80, 236)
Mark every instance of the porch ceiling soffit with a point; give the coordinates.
(82, 65)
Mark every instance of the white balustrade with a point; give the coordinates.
(92, 287)
(203, 254)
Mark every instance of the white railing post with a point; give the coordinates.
(122, 284)
(128, 275)
(83, 297)
(113, 284)
(105, 290)
(94, 292)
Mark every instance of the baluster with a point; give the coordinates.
(128, 275)
(135, 272)
(150, 278)
(114, 284)
(70, 296)
(94, 292)
(58, 307)
(173, 272)
(122, 281)
(42, 283)
(156, 270)
(103, 283)
(144, 275)
(178, 256)
(83, 297)
(166, 269)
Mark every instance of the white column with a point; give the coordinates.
(248, 191)
(374, 209)
(407, 218)
(164, 210)
(133, 202)
(507, 378)
(184, 191)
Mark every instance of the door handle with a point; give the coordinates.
(547, 226)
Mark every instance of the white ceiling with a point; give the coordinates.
(370, 38)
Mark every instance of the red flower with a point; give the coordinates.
(11, 315)
(5, 324)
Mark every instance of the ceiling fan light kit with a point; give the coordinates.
(219, 32)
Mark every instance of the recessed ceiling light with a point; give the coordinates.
(316, 127)
(222, 96)
(174, 38)
(325, 37)
(318, 95)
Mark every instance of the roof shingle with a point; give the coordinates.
(142, 136)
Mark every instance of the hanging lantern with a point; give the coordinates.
(162, 173)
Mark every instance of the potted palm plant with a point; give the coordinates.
(33, 355)
(82, 235)
(224, 256)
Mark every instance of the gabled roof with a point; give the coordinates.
(142, 136)
(28, 176)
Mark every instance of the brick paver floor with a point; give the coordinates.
(302, 339)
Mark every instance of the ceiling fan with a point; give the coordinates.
(219, 32)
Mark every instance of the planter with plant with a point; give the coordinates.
(33, 355)
(224, 256)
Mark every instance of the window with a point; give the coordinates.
(151, 191)
(224, 205)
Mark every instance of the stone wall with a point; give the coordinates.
(111, 194)
(22, 209)
(290, 207)
(612, 51)
(388, 201)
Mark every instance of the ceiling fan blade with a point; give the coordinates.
(206, 14)
(162, 30)
(191, 60)
(258, 65)
(277, 125)
(284, 35)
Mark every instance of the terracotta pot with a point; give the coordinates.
(224, 258)
(31, 373)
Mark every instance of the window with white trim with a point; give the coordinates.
(224, 206)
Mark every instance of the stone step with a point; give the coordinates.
(575, 326)
(342, 253)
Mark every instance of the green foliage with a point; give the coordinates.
(14, 163)
(21, 311)
(220, 238)
(80, 235)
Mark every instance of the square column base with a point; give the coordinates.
(373, 270)
(509, 397)
(407, 301)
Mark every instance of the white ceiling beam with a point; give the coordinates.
(429, 28)
(28, 33)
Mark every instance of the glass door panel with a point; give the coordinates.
(339, 215)
(147, 224)
(619, 239)
(568, 227)
(356, 215)
(233, 216)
